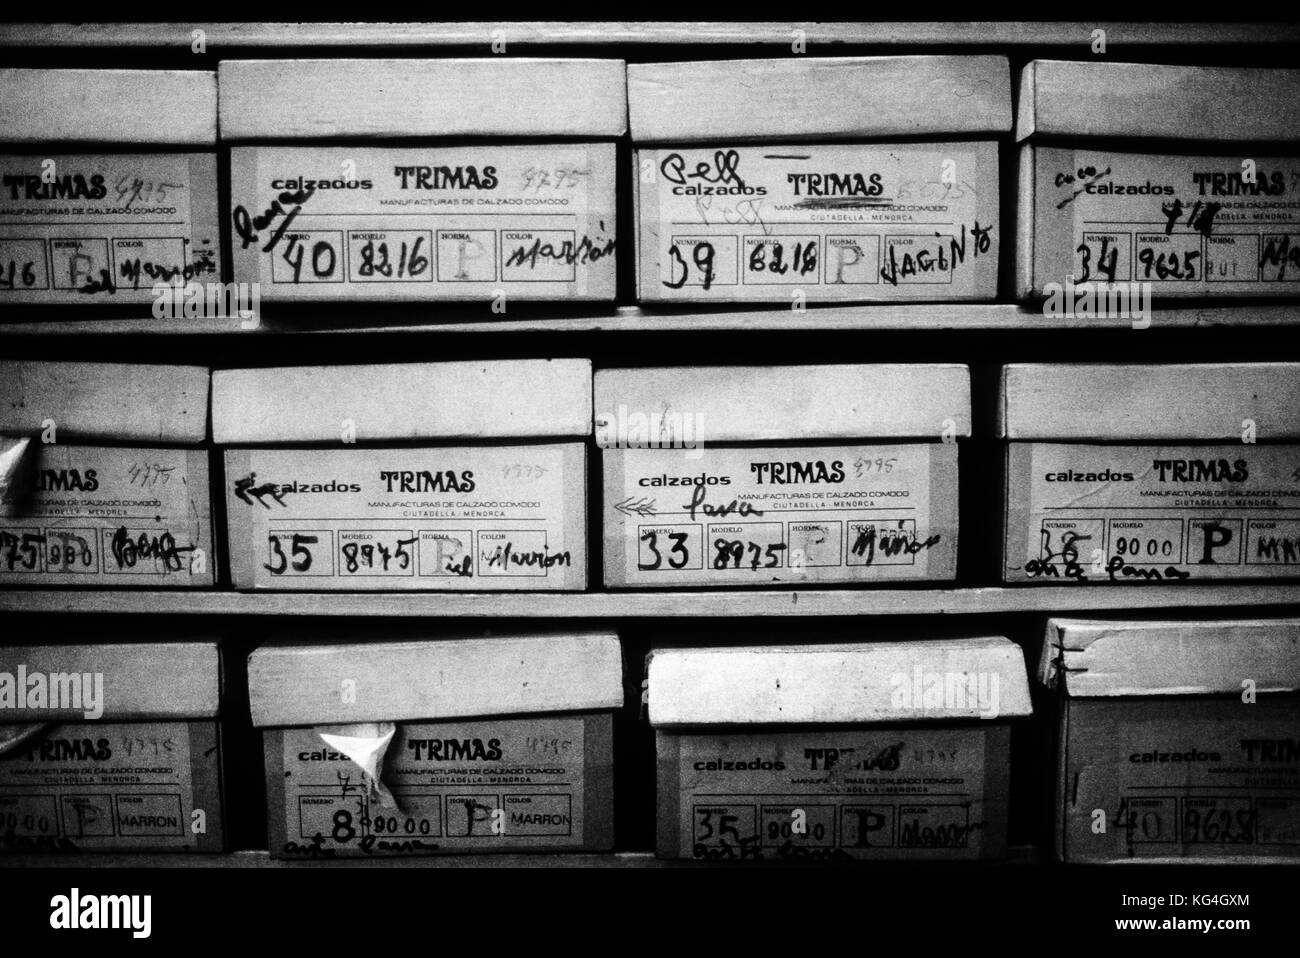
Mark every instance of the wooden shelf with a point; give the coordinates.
(221, 37)
(637, 605)
(1016, 855)
(461, 320)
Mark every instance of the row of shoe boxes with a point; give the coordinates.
(1177, 741)
(474, 475)
(504, 182)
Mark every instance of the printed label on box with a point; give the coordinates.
(1188, 225)
(906, 221)
(449, 518)
(451, 223)
(854, 794)
(105, 228)
(1184, 778)
(109, 786)
(459, 787)
(1092, 513)
(110, 516)
(753, 515)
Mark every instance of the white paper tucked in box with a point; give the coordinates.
(487, 493)
(1178, 740)
(457, 745)
(111, 747)
(335, 211)
(102, 478)
(769, 753)
(793, 474)
(1151, 473)
(105, 227)
(1215, 218)
(725, 213)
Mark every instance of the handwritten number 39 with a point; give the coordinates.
(703, 255)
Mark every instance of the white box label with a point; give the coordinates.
(907, 221)
(105, 228)
(1100, 513)
(451, 223)
(754, 515)
(110, 516)
(445, 519)
(1188, 225)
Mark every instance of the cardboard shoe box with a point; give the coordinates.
(328, 213)
(727, 214)
(111, 748)
(103, 479)
(791, 474)
(1178, 740)
(437, 476)
(885, 750)
(1159, 473)
(106, 226)
(398, 748)
(1215, 217)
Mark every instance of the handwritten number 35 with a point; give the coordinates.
(301, 554)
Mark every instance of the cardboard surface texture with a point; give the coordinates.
(1159, 401)
(1098, 510)
(830, 684)
(1183, 742)
(754, 403)
(500, 744)
(298, 684)
(132, 759)
(818, 97)
(496, 96)
(1096, 99)
(679, 511)
(473, 223)
(153, 107)
(864, 752)
(1100, 658)
(141, 681)
(90, 401)
(1204, 226)
(456, 400)
(818, 223)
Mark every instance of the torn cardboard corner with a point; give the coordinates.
(14, 737)
(365, 744)
(488, 744)
(114, 746)
(1099, 658)
(1177, 739)
(16, 465)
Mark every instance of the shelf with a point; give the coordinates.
(222, 37)
(913, 316)
(638, 605)
(1016, 855)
